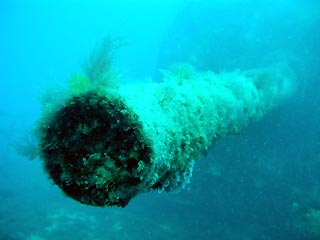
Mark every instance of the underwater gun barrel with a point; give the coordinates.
(104, 148)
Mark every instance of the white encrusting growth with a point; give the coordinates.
(184, 114)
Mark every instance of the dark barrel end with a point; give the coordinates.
(92, 148)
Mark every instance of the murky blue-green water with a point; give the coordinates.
(261, 184)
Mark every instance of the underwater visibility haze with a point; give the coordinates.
(160, 120)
